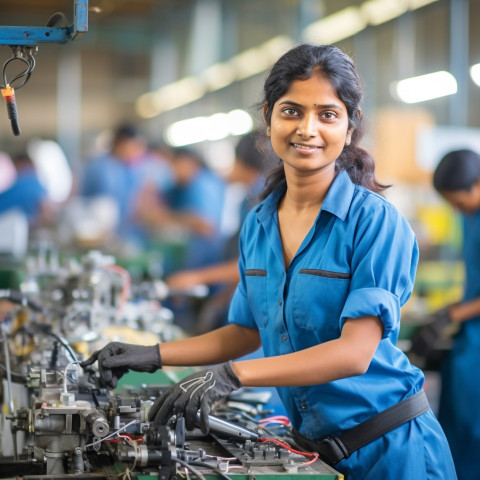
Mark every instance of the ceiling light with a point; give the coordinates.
(215, 127)
(381, 11)
(425, 87)
(335, 27)
(475, 73)
(414, 4)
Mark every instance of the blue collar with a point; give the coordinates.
(337, 202)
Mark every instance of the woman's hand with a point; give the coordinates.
(194, 396)
(116, 358)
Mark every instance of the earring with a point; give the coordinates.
(268, 131)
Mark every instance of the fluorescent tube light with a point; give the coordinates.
(425, 87)
(475, 73)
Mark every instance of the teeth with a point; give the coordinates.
(306, 147)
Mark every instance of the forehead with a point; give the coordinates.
(316, 89)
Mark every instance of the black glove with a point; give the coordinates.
(428, 342)
(197, 392)
(115, 359)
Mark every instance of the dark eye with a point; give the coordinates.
(328, 115)
(290, 111)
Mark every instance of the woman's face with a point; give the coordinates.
(309, 126)
(467, 201)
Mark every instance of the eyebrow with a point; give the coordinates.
(328, 105)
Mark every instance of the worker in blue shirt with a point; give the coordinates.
(457, 179)
(192, 206)
(120, 174)
(27, 193)
(326, 263)
(252, 158)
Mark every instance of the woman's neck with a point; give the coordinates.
(307, 192)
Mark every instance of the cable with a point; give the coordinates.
(65, 345)
(189, 467)
(112, 434)
(23, 53)
(19, 377)
(213, 467)
(65, 375)
(315, 455)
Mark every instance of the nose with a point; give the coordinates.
(307, 126)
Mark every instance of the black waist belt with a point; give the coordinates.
(332, 449)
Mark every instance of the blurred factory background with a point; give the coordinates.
(161, 61)
(190, 73)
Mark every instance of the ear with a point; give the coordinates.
(348, 137)
(265, 107)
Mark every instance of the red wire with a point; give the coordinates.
(290, 449)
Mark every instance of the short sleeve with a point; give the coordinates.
(384, 262)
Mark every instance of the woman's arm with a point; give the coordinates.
(463, 311)
(220, 345)
(225, 272)
(347, 356)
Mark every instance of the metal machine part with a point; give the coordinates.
(62, 422)
(93, 433)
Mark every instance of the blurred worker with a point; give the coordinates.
(194, 206)
(7, 171)
(457, 179)
(326, 263)
(251, 160)
(27, 193)
(119, 176)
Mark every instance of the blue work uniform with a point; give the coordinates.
(26, 194)
(358, 259)
(459, 411)
(112, 177)
(203, 196)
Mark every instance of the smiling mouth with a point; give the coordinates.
(305, 147)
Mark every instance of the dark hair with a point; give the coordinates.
(125, 132)
(252, 151)
(457, 170)
(300, 63)
(187, 152)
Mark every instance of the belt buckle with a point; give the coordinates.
(333, 450)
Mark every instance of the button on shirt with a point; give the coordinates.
(358, 259)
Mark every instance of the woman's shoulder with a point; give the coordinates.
(375, 207)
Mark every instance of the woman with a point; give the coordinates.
(325, 265)
(457, 179)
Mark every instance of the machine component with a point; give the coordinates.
(24, 41)
(60, 421)
(100, 434)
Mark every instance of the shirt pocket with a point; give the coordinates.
(319, 299)
(256, 280)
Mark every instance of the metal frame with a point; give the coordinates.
(34, 35)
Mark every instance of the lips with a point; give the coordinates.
(307, 148)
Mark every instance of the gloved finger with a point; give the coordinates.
(203, 422)
(90, 361)
(152, 413)
(166, 410)
(190, 408)
(116, 361)
(107, 378)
